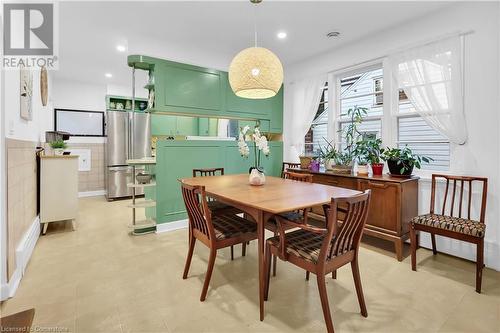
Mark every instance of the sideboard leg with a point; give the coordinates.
(398, 245)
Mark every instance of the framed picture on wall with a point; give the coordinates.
(26, 94)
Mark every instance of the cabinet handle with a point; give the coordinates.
(377, 185)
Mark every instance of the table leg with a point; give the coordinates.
(260, 229)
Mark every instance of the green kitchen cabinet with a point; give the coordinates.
(187, 89)
(176, 159)
(207, 126)
(186, 126)
(276, 116)
(163, 125)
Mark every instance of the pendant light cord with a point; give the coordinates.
(255, 24)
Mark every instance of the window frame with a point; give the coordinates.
(322, 102)
(390, 116)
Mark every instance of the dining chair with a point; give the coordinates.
(296, 216)
(288, 165)
(446, 222)
(218, 207)
(324, 250)
(215, 231)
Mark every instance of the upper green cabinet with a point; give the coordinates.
(164, 125)
(189, 90)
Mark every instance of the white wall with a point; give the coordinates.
(481, 153)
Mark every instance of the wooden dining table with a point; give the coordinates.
(276, 196)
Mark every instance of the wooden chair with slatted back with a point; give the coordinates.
(288, 165)
(215, 231)
(218, 207)
(294, 216)
(448, 222)
(324, 250)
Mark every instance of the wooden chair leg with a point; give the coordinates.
(359, 288)
(479, 265)
(433, 240)
(232, 252)
(334, 274)
(307, 275)
(192, 242)
(413, 248)
(208, 275)
(275, 259)
(243, 249)
(267, 266)
(320, 276)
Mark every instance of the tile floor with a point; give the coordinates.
(100, 279)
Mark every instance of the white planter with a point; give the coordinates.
(363, 169)
(58, 151)
(256, 178)
(329, 164)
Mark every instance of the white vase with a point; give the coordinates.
(256, 178)
(58, 151)
(363, 169)
(329, 164)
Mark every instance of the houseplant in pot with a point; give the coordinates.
(58, 147)
(260, 147)
(362, 165)
(372, 149)
(401, 161)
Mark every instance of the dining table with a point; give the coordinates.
(276, 196)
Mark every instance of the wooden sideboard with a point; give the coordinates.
(394, 203)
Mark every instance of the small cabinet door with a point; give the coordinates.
(384, 207)
(187, 126)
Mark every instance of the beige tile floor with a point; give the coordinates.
(100, 279)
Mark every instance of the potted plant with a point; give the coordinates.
(314, 165)
(328, 154)
(260, 147)
(362, 165)
(402, 161)
(305, 161)
(58, 146)
(372, 150)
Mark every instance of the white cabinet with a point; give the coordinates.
(58, 189)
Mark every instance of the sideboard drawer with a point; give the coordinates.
(345, 182)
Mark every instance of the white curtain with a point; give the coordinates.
(431, 76)
(305, 96)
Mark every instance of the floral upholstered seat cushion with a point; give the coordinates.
(456, 224)
(229, 226)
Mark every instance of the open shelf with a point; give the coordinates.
(141, 185)
(147, 223)
(143, 204)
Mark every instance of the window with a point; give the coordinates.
(364, 89)
(319, 127)
(420, 137)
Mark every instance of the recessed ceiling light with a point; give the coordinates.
(281, 35)
(333, 34)
(121, 48)
(108, 75)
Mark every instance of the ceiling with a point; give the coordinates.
(210, 33)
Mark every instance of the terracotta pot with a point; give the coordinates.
(377, 169)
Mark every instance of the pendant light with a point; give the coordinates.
(255, 72)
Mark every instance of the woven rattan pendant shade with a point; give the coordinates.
(255, 73)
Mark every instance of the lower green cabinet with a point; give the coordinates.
(176, 159)
(187, 126)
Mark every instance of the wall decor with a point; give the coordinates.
(26, 94)
(44, 85)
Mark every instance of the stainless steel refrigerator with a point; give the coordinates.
(120, 147)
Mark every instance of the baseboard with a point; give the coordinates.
(23, 254)
(91, 193)
(464, 250)
(171, 226)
